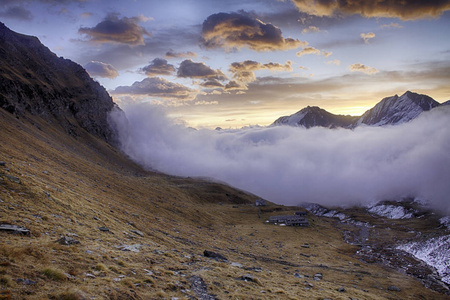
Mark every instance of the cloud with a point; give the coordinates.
(404, 10)
(16, 12)
(157, 87)
(173, 54)
(190, 69)
(158, 66)
(245, 71)
(290, 165)
(336, 62)
(311, 29)
(391, 25)
(212, 83)
(362, 68)
(234, 85)
(237, 30)
(100, 69)
(367, 36)
(312, 50)
(115, 30)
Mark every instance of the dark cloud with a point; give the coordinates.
(190, 69)
(158, 66)
(100, 69)
(405, 10)
(115, 30)
(173, 54)
(234, 85)
(212, 83)
(157, 87)
(237, 30)
(16, 12)
(244, 71)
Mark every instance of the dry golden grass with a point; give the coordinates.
(71, 187)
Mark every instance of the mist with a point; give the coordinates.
(291, 165)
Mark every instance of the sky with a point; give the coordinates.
(232, 63)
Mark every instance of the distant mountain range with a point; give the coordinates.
(389, 111)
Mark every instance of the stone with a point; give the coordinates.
(67, 240)
(394, 288)
(318, 276)
(341, 289)
(298, 275)
(132, 248)
(26, 281)
(214, 255)
(105, 229)
(14, 229)
(248, 278)
(10, 178)
(140, 233)
(2, 163)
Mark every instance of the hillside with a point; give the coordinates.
(34, 80)
(57, 186)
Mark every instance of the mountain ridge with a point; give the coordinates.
(391, 110)
(35, 81)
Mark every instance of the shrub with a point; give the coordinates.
(54, 274)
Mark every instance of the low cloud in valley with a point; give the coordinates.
(291, 165)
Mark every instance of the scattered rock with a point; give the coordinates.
(14, 229)
(250, 278)
(318, 276)
(298, 275)
(89, 275)
(140, 233)
(2, 163)
(341, 289)
(26, 281)
(214, 255)
(103, 228)
(67, 240)
(10, 178)
(132, 248)
(394, 288)
(201, 289)
(305, 246)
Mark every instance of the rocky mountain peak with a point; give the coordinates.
(35, 81)
(312, 116)
(396, 110)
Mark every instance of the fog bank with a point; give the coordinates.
(290, 165)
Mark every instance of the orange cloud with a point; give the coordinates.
(237, 30)
(405, 10)
(362, 68)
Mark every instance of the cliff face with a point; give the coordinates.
(33, 80)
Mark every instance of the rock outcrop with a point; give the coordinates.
(35, 81)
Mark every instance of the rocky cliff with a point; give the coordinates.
(35, 81)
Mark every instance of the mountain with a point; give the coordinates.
(34, 81)
(389, 111)
(396, 110)
(312, 116)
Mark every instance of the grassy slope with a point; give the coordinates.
(72, 187)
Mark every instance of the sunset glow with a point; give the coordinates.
(238, 63)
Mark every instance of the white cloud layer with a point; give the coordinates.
(291, 165)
